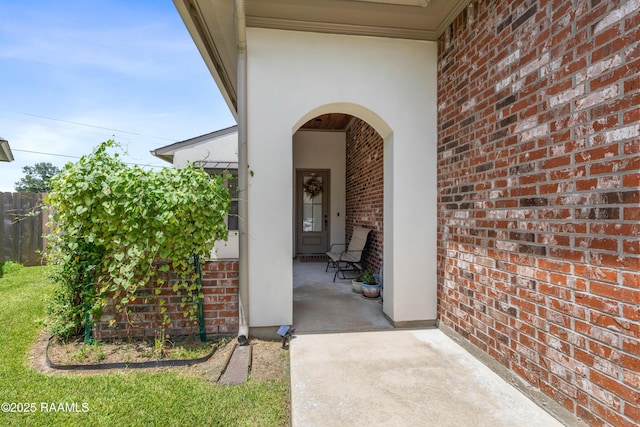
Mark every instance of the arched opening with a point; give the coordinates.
(335, 146)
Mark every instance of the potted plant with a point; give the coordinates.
(370, 286)
(356, 284)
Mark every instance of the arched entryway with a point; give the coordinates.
(343, 154)
(391, 86)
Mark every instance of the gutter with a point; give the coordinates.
(243, 174)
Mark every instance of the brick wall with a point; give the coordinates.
(539, 255)
(364, 188)
(220, 288)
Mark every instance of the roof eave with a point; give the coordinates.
(211, 24)
(335, 28)
(166, 153)
(166, 158)
(205, 36)
(5, 151)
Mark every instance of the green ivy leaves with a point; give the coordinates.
(134, 218)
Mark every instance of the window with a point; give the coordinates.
(232, 184)
(231, 181)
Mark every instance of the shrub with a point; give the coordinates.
(114, 221)
(8, 267)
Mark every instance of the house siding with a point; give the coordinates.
(538, 196)
(365, 188)
(220, 305)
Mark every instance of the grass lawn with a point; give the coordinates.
(125, 399)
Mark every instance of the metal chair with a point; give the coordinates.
(349, 259)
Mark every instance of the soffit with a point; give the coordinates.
(332, 121)
(211, 24)
(408, 19)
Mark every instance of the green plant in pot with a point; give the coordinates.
(370, 286)
(356, 284)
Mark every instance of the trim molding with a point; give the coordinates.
(348, 29)
(451, 16)
(411, 324)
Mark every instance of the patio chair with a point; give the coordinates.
(349, 259)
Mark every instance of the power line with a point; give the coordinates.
(78, 157)
(77, 123)
(47, 154)
(61, 126)
(92, 126)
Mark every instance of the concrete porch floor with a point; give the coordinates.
(320, 305)
(349, 366)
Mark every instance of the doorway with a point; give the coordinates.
(312, 211)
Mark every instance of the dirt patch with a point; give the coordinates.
(269, 361)
(75, 351)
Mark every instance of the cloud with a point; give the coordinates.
(118, 40)
(127, 66)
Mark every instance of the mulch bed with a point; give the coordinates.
(269, 361)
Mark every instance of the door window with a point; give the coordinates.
(312, 212)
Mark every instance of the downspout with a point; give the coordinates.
(243, 175)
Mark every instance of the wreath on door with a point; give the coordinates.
(313, 187)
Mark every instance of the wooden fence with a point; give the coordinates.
(23, 228)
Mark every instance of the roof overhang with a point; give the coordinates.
(5, 151)
(404, 19)
(167, 152)
(211, 24)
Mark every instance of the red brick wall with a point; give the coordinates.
(220, 288)
(364, 193)
(539, 255)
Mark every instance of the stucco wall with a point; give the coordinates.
(391, 84)
(222, 149)
(539, 257)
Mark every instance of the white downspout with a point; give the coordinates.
(243, 175)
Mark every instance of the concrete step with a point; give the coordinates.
(236, 370)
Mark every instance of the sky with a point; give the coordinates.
(76, 73)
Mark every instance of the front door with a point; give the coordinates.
(312, 216)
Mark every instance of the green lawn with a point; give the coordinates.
(122, 399)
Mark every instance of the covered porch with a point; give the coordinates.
(323, 306)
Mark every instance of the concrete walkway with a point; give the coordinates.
(380, 376)
(400, 378)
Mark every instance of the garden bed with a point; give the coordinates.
(269, 360)
(75, 351)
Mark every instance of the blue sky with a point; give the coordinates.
(75, 73)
